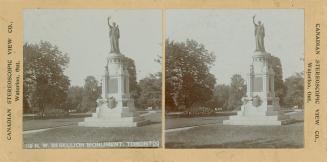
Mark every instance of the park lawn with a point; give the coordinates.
(211, 133)
(76, 134)
(49, 123)
(228, 136)
(179, 122)
(172, 123)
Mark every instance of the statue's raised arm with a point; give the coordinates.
(114, 36)
(259, 32)
(253, 20)
(109, 22)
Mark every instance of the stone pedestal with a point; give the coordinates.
(260, 106)
(106, 117)
(252, 115)
(115, 107)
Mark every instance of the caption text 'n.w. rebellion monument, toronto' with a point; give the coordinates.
(115, 107)
(260, 105)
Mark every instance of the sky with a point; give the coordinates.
(83, 35)
(229, 34)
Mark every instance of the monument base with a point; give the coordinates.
(259, 115)
(117, 117)
(89, 122)
(256, 120)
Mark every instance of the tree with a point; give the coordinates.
(188, 80)
(91, 93)
(75, 97)
(150, 92)
(294, 90)
(133, 87)
(280, 89)
(236, 92)
(45, 85)
(221, 96)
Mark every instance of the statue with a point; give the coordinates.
(114, 37)
(259, 33)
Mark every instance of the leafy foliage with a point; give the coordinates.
(220, 97)
(91, 92)
(236, 92)
(150, 92)
(280, 88)
(188, 80)
(75, 97)
(45, 85)
(133, 87)
(294, 90)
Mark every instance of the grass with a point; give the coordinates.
(76, 134)
(222, 136)
(228, 136)
(84, 134)
(49, 123)
(191, 121)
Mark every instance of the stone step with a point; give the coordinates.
(252, 122)
(122, 115)
(263, 117)
(113, 115)
(109, 111)
(115, 119)
(255, 113)
(101, 123)
(258, 122)
(288, 121)
(244, 118)
(270, 113)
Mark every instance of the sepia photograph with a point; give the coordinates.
(163, 81)
(234, 78)
(92, 78)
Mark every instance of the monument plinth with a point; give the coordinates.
(260, 105)
(115, 107)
